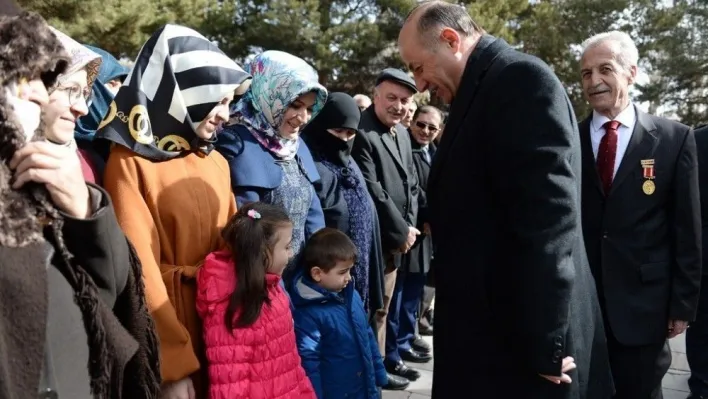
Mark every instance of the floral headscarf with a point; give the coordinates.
(81, 57)
(278, 79)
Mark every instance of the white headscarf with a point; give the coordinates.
(81, 57)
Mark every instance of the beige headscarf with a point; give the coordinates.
(81, 57)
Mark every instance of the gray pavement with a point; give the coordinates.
(676, 380)
(418, 389)
(675, 383)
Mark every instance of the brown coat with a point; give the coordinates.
(173, 213)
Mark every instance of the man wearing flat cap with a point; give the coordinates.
(382, 150)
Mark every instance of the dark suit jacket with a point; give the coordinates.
(390, 177)
(645, 250)
(701, 135)
(419, 257)
(514, 292)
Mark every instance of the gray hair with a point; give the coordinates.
(362, 97)
(628, 55)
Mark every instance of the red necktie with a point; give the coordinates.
(606, 155)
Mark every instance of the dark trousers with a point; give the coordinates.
(402, 313)
(638, 370)
(697, 346)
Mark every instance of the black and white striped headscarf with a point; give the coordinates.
(178, 78)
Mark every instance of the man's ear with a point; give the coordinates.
(451, 39)
(632, 74)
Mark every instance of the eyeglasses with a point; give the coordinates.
(76, 93)
(423, 125)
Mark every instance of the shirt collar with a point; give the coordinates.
(626, 118)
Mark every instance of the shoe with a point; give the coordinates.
(424, 329)
(414, 356)
(419, 345)
(401, 370)
(396, 383)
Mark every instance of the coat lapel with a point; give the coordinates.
(642, 142)
(486, 51)
(589, 163)
(390, 144)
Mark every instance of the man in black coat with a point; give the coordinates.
(697, 335)
(382, 149)
(517, 314)
(426, 124)
(641, 218)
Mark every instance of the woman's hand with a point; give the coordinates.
(59, 169)
(182, 389)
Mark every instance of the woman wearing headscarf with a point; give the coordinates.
(342, 192)
(110, 77)
(70, 100)
(269, 162)
(74, 322)
(172, 193)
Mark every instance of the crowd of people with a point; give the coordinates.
(192, 228)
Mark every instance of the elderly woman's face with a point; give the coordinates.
(67, 103)
(297, 115)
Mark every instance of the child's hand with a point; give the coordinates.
(568, 365)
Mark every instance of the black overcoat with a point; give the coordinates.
(514, 293)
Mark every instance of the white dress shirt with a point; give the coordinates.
(627, 119)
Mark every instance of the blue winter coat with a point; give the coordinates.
(254, 171)
(338, 349)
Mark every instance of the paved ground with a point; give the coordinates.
(675, 382)
(418, 389)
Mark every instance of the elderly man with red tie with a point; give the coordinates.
(641, 218)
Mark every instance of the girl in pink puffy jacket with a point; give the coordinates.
(248, 326)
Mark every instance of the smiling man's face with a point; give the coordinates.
(437, 66)
(605, 81)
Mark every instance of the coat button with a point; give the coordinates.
(358, 374)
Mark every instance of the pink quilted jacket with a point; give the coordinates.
(257, 362)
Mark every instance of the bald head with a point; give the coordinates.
(435, 43)
(362, 101)
(431, 17)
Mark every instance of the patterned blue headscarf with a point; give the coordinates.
(278, 79)
(102, 97)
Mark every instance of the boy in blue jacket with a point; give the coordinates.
(338, 349)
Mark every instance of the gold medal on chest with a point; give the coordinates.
(648, 187)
